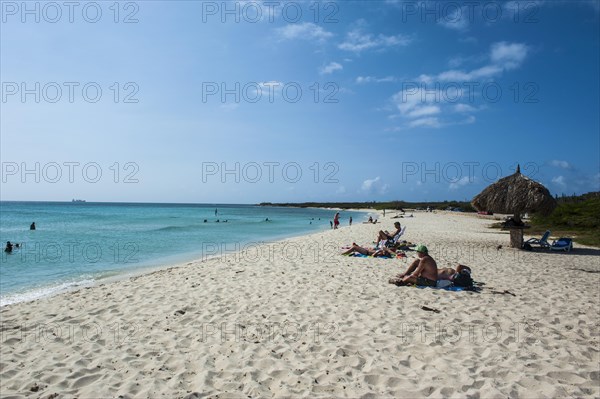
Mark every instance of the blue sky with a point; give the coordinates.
(251, 101)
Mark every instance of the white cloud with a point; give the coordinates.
(559, 181)
(373, 79)
(453, 75)
(457, 18)
(340, 190)
(358, 40)
(464, 108)
(426, 96)
(455, 62)
(330, 68)
(503, 56)
(560, 164)
(470, 120)
(305, 30)
(424, 111)
(267, 89)
(368, 184)
(508, 55)
(410, 100)
(374, 186)
(425, 122)
(463, 181)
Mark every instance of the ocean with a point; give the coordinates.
(78, 244)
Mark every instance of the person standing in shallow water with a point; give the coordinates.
(336, 220)
(32, 227)
(350, 221)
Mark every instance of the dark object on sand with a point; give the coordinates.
(505, 292)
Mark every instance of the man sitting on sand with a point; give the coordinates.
(386, 235)
(422, 271)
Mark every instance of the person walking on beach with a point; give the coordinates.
(336, 220)
(423, 271)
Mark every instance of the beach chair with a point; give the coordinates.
(394, 240)
(562, 244)
(542, 242)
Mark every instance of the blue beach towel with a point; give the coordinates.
(474, 288)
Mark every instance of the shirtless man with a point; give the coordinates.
(422, 271)
(386, 235)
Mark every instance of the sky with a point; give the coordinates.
(293, 101)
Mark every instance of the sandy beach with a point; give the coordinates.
(296, 319)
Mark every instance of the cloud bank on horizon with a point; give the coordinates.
(292, 101)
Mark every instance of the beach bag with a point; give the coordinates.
(462, 279)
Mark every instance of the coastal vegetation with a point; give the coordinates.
(576, 216)
(389, 205)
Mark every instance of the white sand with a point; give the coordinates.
(297, 319)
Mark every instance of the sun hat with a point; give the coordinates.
(421, 248)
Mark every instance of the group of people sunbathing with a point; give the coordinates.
(386, 246)
(423, 271)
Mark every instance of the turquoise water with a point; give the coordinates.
(76, 244)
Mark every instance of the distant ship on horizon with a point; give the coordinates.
(77, 200)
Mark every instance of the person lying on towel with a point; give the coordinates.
(459, 277)
(447, 273)
(375, 252)
(423, 271)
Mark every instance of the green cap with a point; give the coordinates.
(421, 248)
